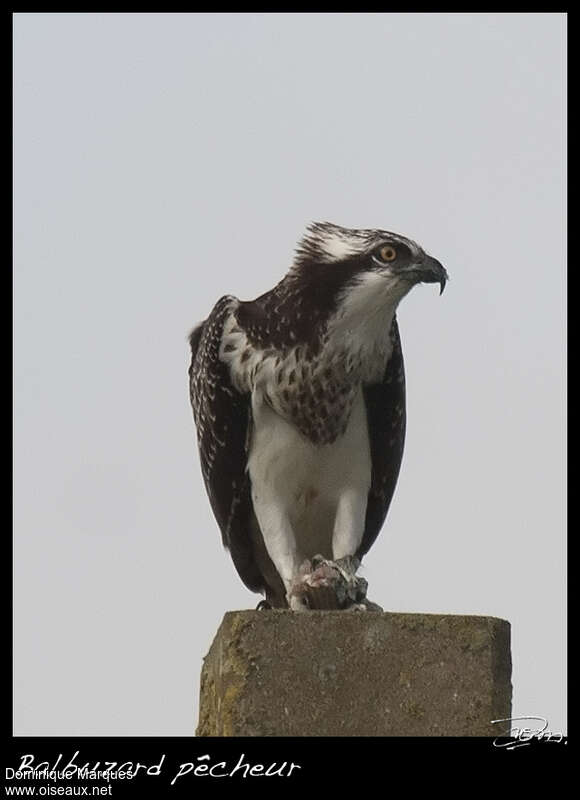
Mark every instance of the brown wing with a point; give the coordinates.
(385, 405)
(222, 417)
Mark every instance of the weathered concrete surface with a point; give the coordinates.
(337, 673)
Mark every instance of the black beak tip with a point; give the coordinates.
(438, 273)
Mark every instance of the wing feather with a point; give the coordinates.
(222, 418)
(386, 418)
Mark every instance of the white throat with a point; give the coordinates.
(363, 320)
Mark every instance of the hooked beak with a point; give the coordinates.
(429, 270)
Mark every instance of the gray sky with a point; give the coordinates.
(164, 160)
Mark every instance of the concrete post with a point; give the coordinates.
(337, 673)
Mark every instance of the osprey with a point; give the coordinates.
(298, 399)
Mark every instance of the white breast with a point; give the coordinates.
(293, 478)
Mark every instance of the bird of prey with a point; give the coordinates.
(298, 399)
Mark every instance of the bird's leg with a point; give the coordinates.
(279, 540)
(333, 584)
(349, 522)
(339, 576)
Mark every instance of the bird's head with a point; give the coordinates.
(365, 262)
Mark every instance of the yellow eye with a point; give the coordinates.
(387, 253)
